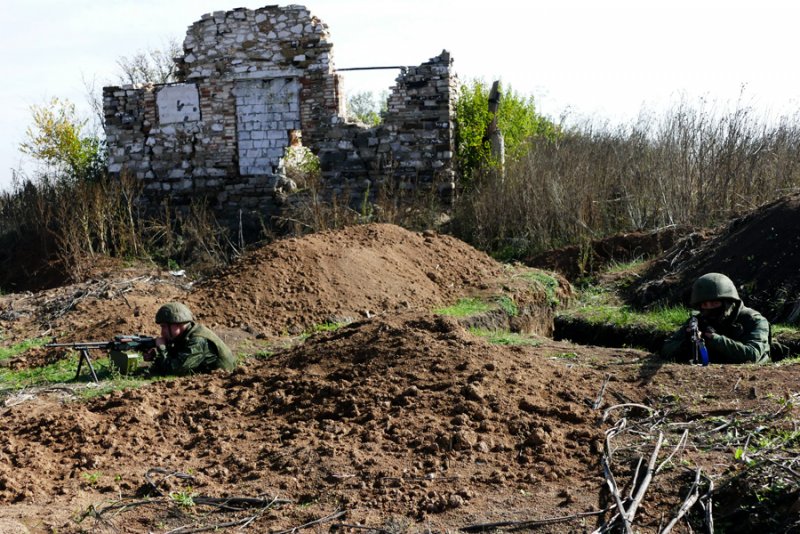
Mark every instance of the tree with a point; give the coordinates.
(363, 107)
(152, 66)
(517, 119)
(56, 138)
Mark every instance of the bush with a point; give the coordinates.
(517, 119)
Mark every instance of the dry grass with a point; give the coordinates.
(691, 167)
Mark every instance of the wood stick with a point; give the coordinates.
(609, 475)
(691, 498)
(599, 400)
(648, 476)
(680, 443)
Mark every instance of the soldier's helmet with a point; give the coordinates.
(174, 312)
(713, 286)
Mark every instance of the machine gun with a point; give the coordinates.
(123, 351)
(699, 350)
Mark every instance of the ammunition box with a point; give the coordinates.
(124, 362)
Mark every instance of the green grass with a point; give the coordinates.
(63, 371)
(547, 281)
(622, 266)
(466, 307)
(596, 310)
(322, 327)
(508, 305)
(500, 337)
(19, 348)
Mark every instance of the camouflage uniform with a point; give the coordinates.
(739, 335)
(197, 350)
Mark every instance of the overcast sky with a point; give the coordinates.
(605, 59)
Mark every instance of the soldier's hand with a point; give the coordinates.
(708, 331)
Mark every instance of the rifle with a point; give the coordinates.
(699, 346)
(119, 350)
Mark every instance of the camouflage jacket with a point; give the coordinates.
(743, 339)
(199, 350)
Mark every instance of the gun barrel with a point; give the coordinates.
(81, 345)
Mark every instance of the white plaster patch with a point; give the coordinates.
(178, 104)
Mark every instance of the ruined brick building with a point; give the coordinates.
(250, 83)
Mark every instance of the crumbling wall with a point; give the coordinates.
(412, 147)
(250, 81)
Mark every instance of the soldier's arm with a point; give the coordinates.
(753, 348)
(196, 356)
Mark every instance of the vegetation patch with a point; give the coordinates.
(19, 348)
(466, 307)
(547, 281)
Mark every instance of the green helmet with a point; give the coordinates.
(713, 286)
(174, 312)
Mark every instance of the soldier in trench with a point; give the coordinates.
(732, 332)
(186, 347)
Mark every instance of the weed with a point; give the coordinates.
(184, 498)
(323, 327)
(64, 371)
(623, 266)
(662, 319)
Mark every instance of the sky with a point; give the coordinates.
(606, 60)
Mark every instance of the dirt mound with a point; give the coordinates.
(406, 416)
(340, 276)
(759, 252)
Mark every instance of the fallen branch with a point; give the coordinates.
(609, 475)
(530, 523)
(599, 400)
(691, 498)
(648, 476)
(325, 519)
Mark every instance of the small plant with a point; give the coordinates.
(91, 479)
(184, 498)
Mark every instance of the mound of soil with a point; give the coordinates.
(759, 252)
(340, 276)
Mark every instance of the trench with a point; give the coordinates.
(582, 332)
